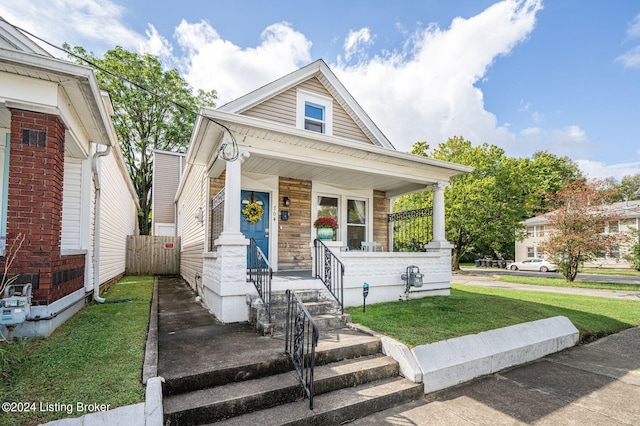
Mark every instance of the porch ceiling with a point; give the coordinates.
(290, 152)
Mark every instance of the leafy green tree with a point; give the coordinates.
(483, 208)
(630, 186)
(154, 109)
(549, 174)
(578, 227)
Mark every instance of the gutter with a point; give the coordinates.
(96, 236)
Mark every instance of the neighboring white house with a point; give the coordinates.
(63, 181)
(305, 149)
(538, 228)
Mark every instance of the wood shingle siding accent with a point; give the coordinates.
(381, 206)
(282, 109)
(294, 251)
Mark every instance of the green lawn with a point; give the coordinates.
(561, 282)
(607, 271)
(472, 310)
(94, 357)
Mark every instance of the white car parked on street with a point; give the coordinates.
(533, 264)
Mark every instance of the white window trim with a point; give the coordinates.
(343, 194)
(303, 97)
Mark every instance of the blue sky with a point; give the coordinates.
(525, 75)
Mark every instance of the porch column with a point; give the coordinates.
(232, 183)
(439, 239)
(225, 271)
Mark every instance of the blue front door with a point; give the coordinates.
(259, 229)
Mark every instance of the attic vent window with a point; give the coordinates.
(37, 138)
(314, 112)
(314, 117)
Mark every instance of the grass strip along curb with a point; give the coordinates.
(470, 310)
(95, 357)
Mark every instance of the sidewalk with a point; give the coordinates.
(491, 282)
(594, 384)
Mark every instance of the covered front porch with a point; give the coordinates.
(296, 177)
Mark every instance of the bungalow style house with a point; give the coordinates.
(63, 183)
(263, 168)
(538, 229)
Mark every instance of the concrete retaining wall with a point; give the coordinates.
(458, 360)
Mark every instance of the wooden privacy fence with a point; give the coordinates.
(151, 255)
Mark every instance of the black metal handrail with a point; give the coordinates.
(260, 273)
(330, 270)
(301, 339)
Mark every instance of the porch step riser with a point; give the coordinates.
(337, 407)
(279, 313)
(264, 369)
(330, 323)
(288, 394)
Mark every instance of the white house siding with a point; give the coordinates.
(72, 205)
(383, 272)
(118, 217)
(190, 229)
(282, 109)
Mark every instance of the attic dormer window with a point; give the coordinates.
(314, 112)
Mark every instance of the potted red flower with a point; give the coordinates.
(325, 227)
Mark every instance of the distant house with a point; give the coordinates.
(63, 181)
(538, 228)
(167, 169)
(306, 149)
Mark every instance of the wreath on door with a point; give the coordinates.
(252, 212)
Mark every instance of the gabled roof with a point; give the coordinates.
(12, 38)
(341, 95)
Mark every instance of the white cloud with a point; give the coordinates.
(600, 170)
(356, 42)
(215, 63)
(531, 131)
(633, 31)
(156, 44)
(427, 92)
(77, 22)
(631, 58)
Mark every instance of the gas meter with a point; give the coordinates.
(412, 277)
(15, 307)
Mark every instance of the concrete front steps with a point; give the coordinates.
(324, 309)
(352, 379)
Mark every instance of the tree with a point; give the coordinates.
(578, 227)
(630, 186)
(154, 109)
(548, 175)
(483, 208)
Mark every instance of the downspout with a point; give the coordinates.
(96, 233)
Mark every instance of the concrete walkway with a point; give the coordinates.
(491, 282)
(594, 384)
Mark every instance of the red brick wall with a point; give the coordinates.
(294, 236)
(36, 170)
